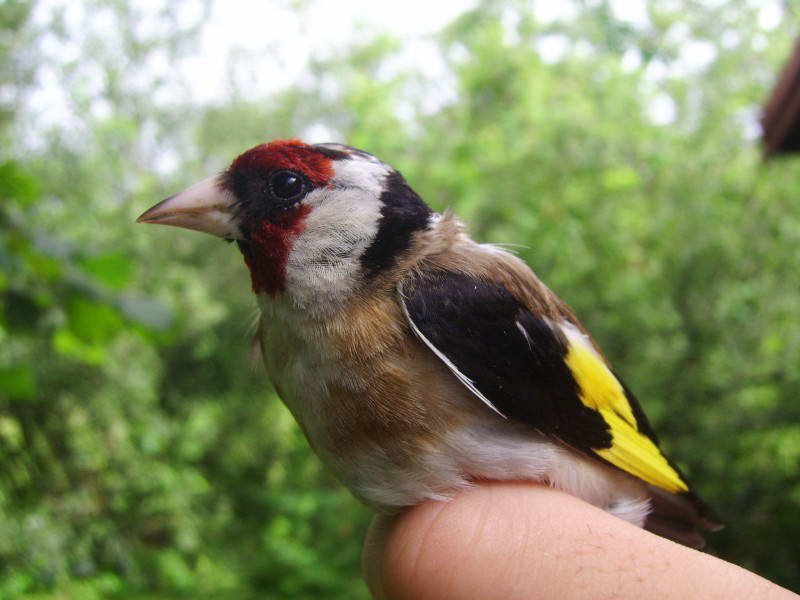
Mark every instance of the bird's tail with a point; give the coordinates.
(680, 517)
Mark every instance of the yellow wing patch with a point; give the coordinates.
(631, 450)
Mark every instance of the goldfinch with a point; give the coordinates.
(417, 361)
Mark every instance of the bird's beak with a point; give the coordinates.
(205, 206)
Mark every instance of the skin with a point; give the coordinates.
(509, 541)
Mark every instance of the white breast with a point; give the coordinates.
(298, 361)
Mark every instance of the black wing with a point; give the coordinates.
(513, 359)
(545, 374)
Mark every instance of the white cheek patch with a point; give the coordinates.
(324, 263)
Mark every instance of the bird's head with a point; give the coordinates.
(311, 220)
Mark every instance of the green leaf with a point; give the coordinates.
(91, 321)
(16, 583)
(41, 264)
(175, 570)
(18, 381)
(67, 343)
(114, 270)
(11, 433)
(17, 185)
(7, 261)
(620, 178)
(21, 312)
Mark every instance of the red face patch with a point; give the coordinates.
(287, 154)
(267, 252)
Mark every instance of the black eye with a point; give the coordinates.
(286, 185)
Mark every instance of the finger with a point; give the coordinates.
(515, 541)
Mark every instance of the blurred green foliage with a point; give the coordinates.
(141, 455)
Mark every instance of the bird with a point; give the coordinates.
(416, 360)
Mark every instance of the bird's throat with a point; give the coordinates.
(266, 253)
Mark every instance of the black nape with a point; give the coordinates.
(402, 213)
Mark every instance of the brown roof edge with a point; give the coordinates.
(780, 119)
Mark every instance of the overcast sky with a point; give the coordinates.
(272, 43)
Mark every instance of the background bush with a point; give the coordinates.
(141, 455)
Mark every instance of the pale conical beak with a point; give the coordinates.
(204, 206)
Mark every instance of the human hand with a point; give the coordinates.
(525, 541)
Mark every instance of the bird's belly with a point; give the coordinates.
(477, 449)
(488, 449)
